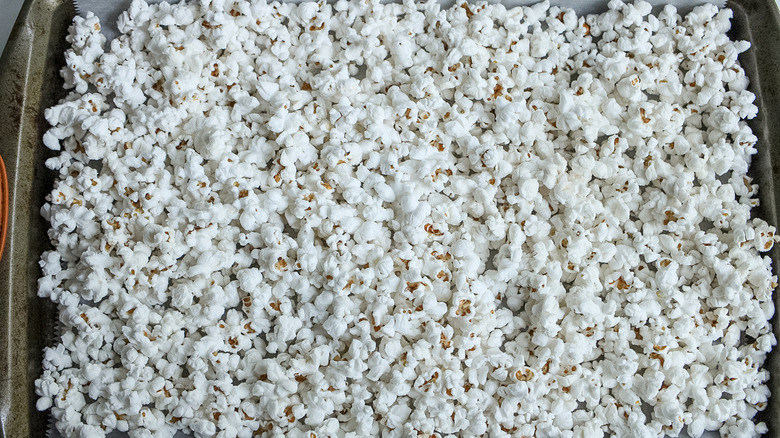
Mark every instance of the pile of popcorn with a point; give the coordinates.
(362, 219)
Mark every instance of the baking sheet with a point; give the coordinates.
(29, 83)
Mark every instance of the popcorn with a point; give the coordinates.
(367, 219)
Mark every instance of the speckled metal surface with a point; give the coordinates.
(29, 82)
(758, 21)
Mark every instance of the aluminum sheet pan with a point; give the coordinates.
(30, 82)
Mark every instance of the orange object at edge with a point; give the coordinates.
(3, 206)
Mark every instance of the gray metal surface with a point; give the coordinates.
(29, 82)
(10, 10)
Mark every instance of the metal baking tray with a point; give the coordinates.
(30, 82)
